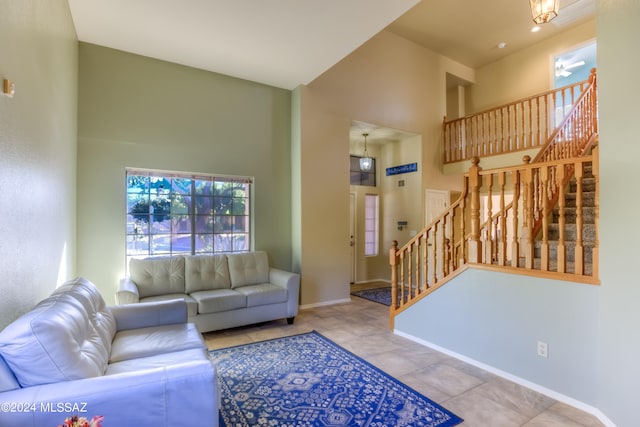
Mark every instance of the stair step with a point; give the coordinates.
(588, 184)
(588, 199)
(570, 250)
(571, 232)
(588, 215)
(553, 266)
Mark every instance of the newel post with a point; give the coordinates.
(474, 243)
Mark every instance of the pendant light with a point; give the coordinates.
(366, 162)
(544, 11)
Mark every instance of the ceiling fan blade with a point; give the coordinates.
(574, 65)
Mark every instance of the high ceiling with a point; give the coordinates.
(285, 43)
(469, 31)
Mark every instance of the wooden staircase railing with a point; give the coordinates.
(521, 125)
(501, 212)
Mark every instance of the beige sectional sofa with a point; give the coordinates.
(221, 291)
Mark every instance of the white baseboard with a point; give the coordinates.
(533, 386)
(323, 303)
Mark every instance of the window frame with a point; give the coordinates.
(354, 171)
(203, 232)
(371, 225)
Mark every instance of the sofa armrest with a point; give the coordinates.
(146, 397)
(291, 282)
(127, 292)
(147, 314)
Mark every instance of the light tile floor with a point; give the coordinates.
(481, 398)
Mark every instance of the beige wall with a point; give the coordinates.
(389, 82)
(140, 112)
(396, 203)
(38, 52)
(524, 73)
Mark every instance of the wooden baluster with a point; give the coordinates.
(393, 261)
(416, 265)
(425, 259)
(445, 139)
(402, 282)
(436, 253)
(476, 128)
(523, 140)
(530, 144)
(495, 131)
(579, 251)
(544, 248)
(549, 115)
(515, 243)
(463, 215)
(507, 146)
(452, 242)
(431, 244)
(562, 249)
(475, 245)
(468, 139)
(483, 139)
(528, 215)
(538, 141)
(445, 261)
(409, 258)
(503, 143)
(488, 248)
(502, 245)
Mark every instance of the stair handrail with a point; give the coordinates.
(454, 240)
(455, 248)
(519, 125)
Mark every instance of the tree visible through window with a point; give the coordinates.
(180, 213)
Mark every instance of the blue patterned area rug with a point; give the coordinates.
(380, 295)
(308, 380)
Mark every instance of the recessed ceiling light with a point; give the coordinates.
(502, 45)
(535, 29)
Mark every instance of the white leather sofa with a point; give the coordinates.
(139, 365)
(221, 291)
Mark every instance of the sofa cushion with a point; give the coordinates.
(54, 342)
(145, 342)
(263, 294)
(192, 305)
(206, 272)
(218, 300)
(248, 268)
(158, 276)
(157, 361)
(98, 314)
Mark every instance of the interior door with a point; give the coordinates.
(436, 202)
(352, 235)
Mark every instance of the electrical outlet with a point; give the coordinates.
(543, 349)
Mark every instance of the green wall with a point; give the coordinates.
(135, 111)
(38, 52)
(619, 315)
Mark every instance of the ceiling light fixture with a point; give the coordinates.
(365, 162)
(543, 11)
(535, 29)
